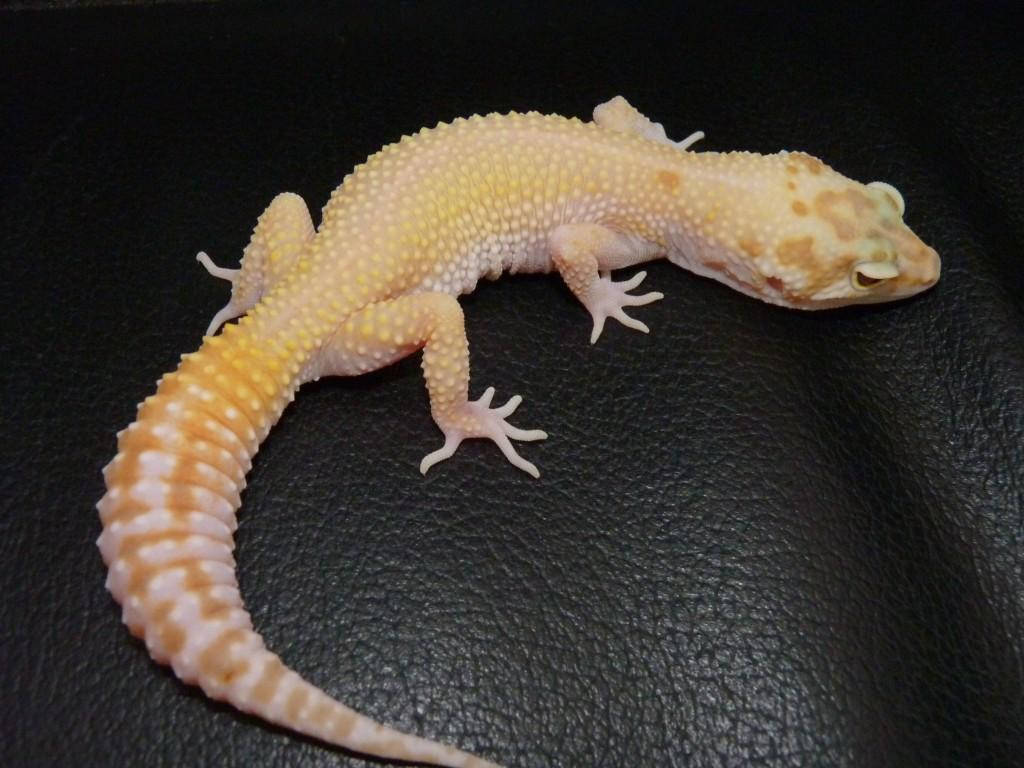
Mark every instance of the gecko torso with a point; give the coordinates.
(417, 224)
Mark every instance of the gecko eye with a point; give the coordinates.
(893, 194)
(868, 274)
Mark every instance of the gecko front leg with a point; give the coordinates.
(584, 254)
(387, 331)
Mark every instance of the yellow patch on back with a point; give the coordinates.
(668, 179)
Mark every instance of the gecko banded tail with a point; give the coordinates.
(168, 522)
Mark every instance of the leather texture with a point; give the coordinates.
(760, 537)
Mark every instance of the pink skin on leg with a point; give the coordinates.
(584, 254)
(390, 330)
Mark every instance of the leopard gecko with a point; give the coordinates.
(416, 225)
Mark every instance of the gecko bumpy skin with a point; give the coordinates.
(417, 224)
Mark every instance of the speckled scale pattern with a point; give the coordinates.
(417, 224)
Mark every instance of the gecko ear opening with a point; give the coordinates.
(868, 274)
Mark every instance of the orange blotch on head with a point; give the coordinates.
(845, 211)
(752, 248)
(669, 180)
(798, 252)
(818, 273)
(800, 208)
(809, 162)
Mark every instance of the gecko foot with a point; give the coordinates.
(476, 418)
(229, 311)
(608, 298)
(222, 272)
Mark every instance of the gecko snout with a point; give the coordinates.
(934, 267)
(923, 268)
(919, 269)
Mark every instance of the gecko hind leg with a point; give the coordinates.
(383, 333)
(282, 232)
(229, 310)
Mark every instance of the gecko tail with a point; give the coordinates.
(169, 516)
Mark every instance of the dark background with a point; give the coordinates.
(760, 537)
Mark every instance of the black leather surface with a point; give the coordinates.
(760, 537)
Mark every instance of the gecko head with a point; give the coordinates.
(846, 243)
